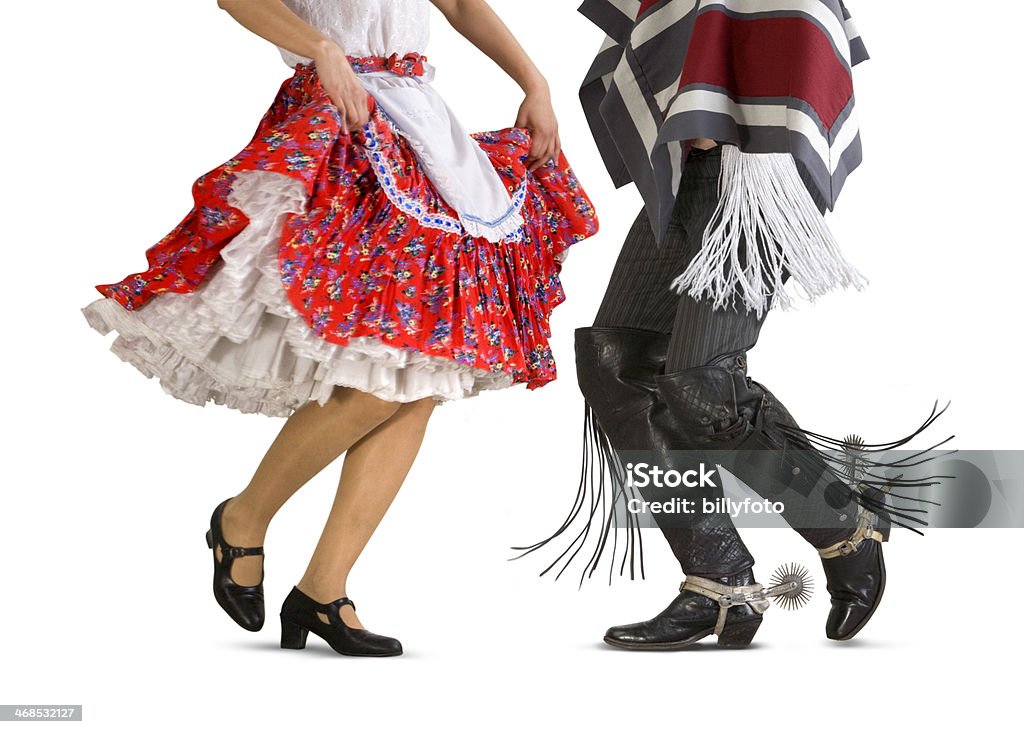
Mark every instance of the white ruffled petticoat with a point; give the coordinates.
(237, 341)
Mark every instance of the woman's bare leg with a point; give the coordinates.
(374, 470)
(313, 437)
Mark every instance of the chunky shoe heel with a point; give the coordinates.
(293, 636)
(739, 634)
(301, 614)
(209, 539)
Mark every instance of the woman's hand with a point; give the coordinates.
(537, 115)
(475, 20)
(342, 85)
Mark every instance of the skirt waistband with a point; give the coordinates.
(411, 64)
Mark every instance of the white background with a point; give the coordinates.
(114, 108)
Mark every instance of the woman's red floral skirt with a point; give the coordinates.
(374, 251)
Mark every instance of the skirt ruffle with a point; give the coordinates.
(317, 258)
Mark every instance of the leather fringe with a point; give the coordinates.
(861, 465)
(602, 487)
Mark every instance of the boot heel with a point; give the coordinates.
(739, 635)
(293, 636)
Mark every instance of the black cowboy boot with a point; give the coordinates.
(855, 582)
(853, 563)
(855, 574)
(773, 459)
(729, 607)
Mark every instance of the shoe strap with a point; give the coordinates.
(335, 606)
(226, 549)
(727, 596)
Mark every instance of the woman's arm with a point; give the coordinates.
(479, 24)
(274, 21)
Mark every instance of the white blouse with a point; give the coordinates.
(365, 27)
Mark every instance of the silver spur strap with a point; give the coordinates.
(867, 521)
(791, 587)
(850, 545)
(727, 596)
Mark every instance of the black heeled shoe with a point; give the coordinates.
(299, 616)
(244, 604)
(698, 611)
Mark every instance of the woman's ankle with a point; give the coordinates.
(322, 589)
(242, 525)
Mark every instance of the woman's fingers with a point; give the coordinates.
(545, 147)
(361, 107)
(354, 110)
(536, 115)
(536, 160)
(354, 114)
(348, 95)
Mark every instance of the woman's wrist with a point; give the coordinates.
(536, 86)
(326, 50)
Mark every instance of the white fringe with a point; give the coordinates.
(762, 199)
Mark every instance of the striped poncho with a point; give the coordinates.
(774, 78)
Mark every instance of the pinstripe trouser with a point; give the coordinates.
(639, 297)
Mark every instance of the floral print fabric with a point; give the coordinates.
(376, 252)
